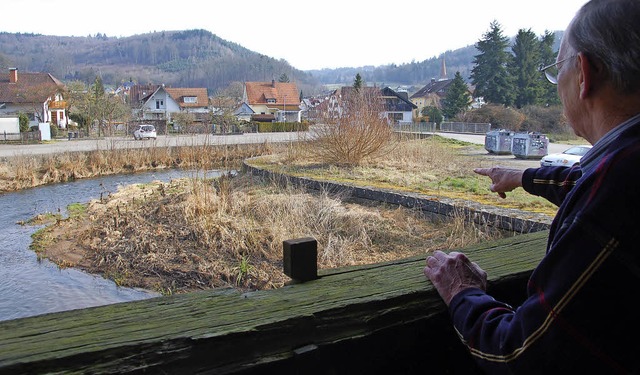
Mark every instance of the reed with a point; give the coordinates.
(26, 171)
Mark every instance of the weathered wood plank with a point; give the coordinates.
(387, 309)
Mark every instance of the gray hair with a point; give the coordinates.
(608, 31)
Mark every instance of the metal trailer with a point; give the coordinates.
(498, 141)
(532, 145)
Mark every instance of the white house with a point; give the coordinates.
(164, 102)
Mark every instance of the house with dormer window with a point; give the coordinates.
(163, 102)
(272, 101)
(396, 106)
(38, 95)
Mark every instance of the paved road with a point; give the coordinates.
(200, 139)
(490, 160)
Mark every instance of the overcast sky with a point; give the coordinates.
(307, 34)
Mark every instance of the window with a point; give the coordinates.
(159, 103)
(271, 100)
(190, 99)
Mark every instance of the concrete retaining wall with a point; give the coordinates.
(504, 219)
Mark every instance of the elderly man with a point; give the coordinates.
(579, 313)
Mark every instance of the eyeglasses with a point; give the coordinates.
(551, 71)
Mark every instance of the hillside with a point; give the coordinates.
(198, 58)
(193, 58)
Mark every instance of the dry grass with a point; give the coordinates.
(22, 172)
(432, 166)
(196, 233)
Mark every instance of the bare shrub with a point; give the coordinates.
(499, 117)
(354, 131)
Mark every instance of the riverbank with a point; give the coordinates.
(25, 171)
(197, 233)
(193, 233)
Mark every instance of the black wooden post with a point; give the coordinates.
(300, 258)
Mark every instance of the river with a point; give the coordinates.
(31, 287)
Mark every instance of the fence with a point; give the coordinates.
(24, 137)
(415, 127)
(465, 127)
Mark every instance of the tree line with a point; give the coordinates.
(508, 77)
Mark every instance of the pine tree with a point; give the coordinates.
(523, 68)
(283, 78)
(549, 95)
(489, 74)
(98, 87)
(357, 82)
(457, 99)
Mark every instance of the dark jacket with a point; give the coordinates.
(579, 315)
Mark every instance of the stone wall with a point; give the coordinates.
(505, 219)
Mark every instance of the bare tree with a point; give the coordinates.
(358, 131)
(184, 120)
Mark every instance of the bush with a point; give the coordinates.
(498, 116)
(54, 130)
(543, 119)
(23, 120)
(358, 133)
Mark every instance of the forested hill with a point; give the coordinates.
(198, 58)
(409, 74)
(193, 58)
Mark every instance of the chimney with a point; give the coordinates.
(273, 83)
(13, 75)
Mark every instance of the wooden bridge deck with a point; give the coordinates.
(378, 318)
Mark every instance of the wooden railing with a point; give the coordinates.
(382, 318)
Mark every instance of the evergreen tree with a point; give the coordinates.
(357, 82)
(549, 95)
(457, 99)
(489, 74)
(523, 68)
(283, 78)
(434, 114)
(98, 87)
(23, 121)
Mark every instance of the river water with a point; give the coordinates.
(31, 287)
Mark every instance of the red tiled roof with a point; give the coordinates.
(29, 88)
(179, 94)
(282, 92)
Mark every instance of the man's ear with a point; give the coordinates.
(587, 72)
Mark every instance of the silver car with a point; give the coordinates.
(145, 131)
(567, 158)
